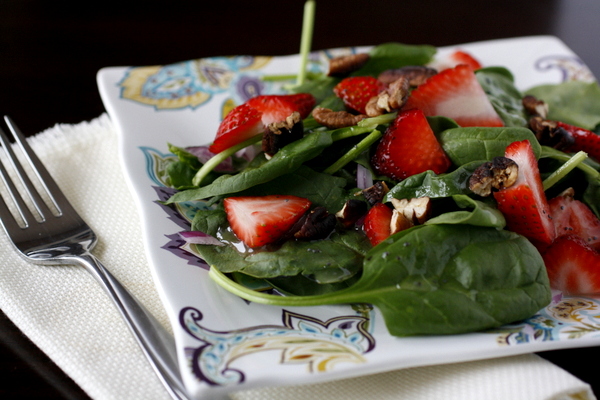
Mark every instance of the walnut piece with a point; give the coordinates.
(336, 119)
(343, 65)
(417, 210)
(499, 173)
(280, 134)
(399, 222)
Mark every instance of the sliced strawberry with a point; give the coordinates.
(573, 267)
(583, 140)
(250, 119)
(572, 217)
(456, 58)
(455, 93)
(356, 91)
(377, 223)
(242, 123)
(409, 147)
(261, 220)
(524, 204)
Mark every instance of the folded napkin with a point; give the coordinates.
(69, 317)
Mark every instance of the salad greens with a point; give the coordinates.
(459, 272)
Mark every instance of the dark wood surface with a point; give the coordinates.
(50, 53)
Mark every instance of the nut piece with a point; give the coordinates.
(390, 99)
(416, 75)
(535, 107)
(548, 133)
(399, 222)
(280, 134)
(335, 119)
(500, 173)
(417, 210)
(343, 65)
(351, 212)
(318, 224)
(375, 193)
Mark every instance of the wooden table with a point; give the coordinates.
(50, 53)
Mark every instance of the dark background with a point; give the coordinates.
(50, 52)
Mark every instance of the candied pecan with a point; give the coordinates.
(351, 212)
(280, 134)
(390, 99)
(317, 224)
(343, 65)
(417, 210)
(336, 119)
(548, 133)
(416, 75)
(375, 193)
(499, 173)
(535, 107)
(399, 222)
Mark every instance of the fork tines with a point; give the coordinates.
(24, 192)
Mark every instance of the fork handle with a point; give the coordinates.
(157, 344)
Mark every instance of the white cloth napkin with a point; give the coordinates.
(69, 317)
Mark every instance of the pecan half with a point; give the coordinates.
(535, 107)
(280, 134)
(317, 224)
(343, 65)
(417, 210)
(416, 75)
(336, 119)
(548, 133)
(390, 99)
(375, 193)
(351, 212)
(499, 173)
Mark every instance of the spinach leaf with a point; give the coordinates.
(209, 221)
(324, 261)
(286, 160)
(573, 102)
(498, 84)
(435, 186)
(482, 214)
(321, 189)
(439, 279)
(395, 55)
(464, 145)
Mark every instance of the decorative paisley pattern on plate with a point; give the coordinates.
(571, 68)
(194, 82)
(301, 340)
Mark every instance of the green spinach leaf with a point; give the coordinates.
(464, 145)
(395, 55)
(482, 214)
(498, 84)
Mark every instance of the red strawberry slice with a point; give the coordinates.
(572, 217)
(409, 147)
(455, 58)
(377, 223)
(356, 91)
(524, 204)
(250, 119)
(584, 140)
(573, 267)
(242, 123)
(455, 93)
(261, 220)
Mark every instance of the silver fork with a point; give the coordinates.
(60, 236)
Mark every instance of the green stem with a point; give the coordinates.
(564, 169)
(354, 152)
(220, 157)
(341, 297)
(308, 22)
